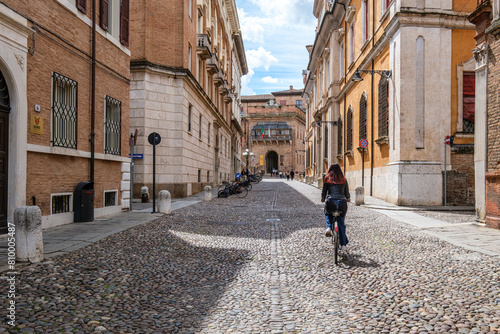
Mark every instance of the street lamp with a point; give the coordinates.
(383, 73)
(247, 154)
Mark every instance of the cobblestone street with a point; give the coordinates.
(262, 264)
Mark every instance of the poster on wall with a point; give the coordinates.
(261, 160)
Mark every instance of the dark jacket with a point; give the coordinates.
(336, 191)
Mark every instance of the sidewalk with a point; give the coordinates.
(470, 234)
(69, 237)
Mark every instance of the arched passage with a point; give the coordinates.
(271, 161)
(4, 151)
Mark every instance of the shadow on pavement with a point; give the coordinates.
(355, 260)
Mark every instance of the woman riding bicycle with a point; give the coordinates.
(336, 194)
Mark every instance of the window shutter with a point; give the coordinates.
(339, 136)
(81, 5)
(104, 14)
(124, 22)
(349, 130)
(383, 108)
(362, 118)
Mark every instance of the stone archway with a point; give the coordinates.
(4, 152)
(272, 161)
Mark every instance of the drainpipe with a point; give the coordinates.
(92, 105)
(373, 82)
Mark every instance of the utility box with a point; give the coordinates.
(83, 202)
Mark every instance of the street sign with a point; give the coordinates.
(238, 175)
(137, 156)
(447, 140)
(154, 138)
(363, 143)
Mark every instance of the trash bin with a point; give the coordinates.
(83, 202)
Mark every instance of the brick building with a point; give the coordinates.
(187, 61)
(64, 120)
(274, 126)
(397, 76)
(486, 18)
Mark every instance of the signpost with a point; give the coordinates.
(364, 144)
(447, 141)
(132, 142)
(154, 139)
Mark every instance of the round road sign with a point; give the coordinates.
(154, 138)
(447, 140)
(363, 143)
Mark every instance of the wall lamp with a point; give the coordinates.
(383, 73)
(318, 123)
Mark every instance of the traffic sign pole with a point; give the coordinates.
(363, 143)
(154, 139)
(132, 142)
(446, 143)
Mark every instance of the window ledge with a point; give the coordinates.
(340, 157)
(361, 149)
(382, 141)
(348, 154)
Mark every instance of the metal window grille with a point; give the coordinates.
(112, 126)
(349, 130)
(64, 111)
(362, 118)
(60, 203)
(110, 198)
(383, 107)
(339, 136)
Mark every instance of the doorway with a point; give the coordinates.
(4, 145)
(271, 161)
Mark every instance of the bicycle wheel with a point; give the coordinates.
(241, 191)
(248, 186)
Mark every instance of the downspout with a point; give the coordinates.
(344, 124)
(373, 83)
(92, 105)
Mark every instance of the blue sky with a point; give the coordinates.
(275, 35)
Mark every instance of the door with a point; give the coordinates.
(4, 144)
(271, 161)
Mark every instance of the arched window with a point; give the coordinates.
(362, 117)
(339, 137)
(383, 107)
(349, 130)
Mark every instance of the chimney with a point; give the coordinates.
(291, 87)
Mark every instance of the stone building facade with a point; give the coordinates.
(274, 126)
(486, 18)
(187, 61)
(63, 121)
(392, 73)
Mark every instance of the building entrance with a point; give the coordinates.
(4, 145)
(271, 161)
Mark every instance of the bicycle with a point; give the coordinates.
(236, 188)
(335, 235)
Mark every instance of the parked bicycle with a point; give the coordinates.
(237, 188)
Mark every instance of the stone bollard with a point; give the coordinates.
(144, 194)
(29, 240)
(320, 182)
(164, 202)
(359, 197)
(207, 196)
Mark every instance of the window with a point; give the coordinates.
(362, 117)
(349, 129)
(64, 111)
(81, 5)
(112, 126)
(190, 8)
(60, 203)
(469, 101)
(199, 175)
(384, 6)
(124, 22)
(351, 43)
(189, 57)
(283, 102)
(298, 103)
(110, 198)
(209, 134)
(341, 60)
(366, 24)
(339, 137)
(208, 176)
(104, 14)
(109, 11)
(190, 117)
(383, 107)
(200, 123)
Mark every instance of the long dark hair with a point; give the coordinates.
(335, 175)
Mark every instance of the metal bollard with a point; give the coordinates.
(144, 194)
(320, 182)
(207, 196)
(164, 202)
(359, 197)
(29, 240)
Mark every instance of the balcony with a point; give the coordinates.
(204, 46)
(224, 89)
(213, 64)
(219, 77)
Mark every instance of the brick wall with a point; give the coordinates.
(460, 180)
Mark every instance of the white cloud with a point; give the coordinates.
(260, 58)
(269, 79)
(245, 80)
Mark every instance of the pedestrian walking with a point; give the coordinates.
(287, 176)
(292, 174)
(281, 175)
(335, 194)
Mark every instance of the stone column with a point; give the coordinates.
(29, 240)
(359, 197)
(164, 202)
